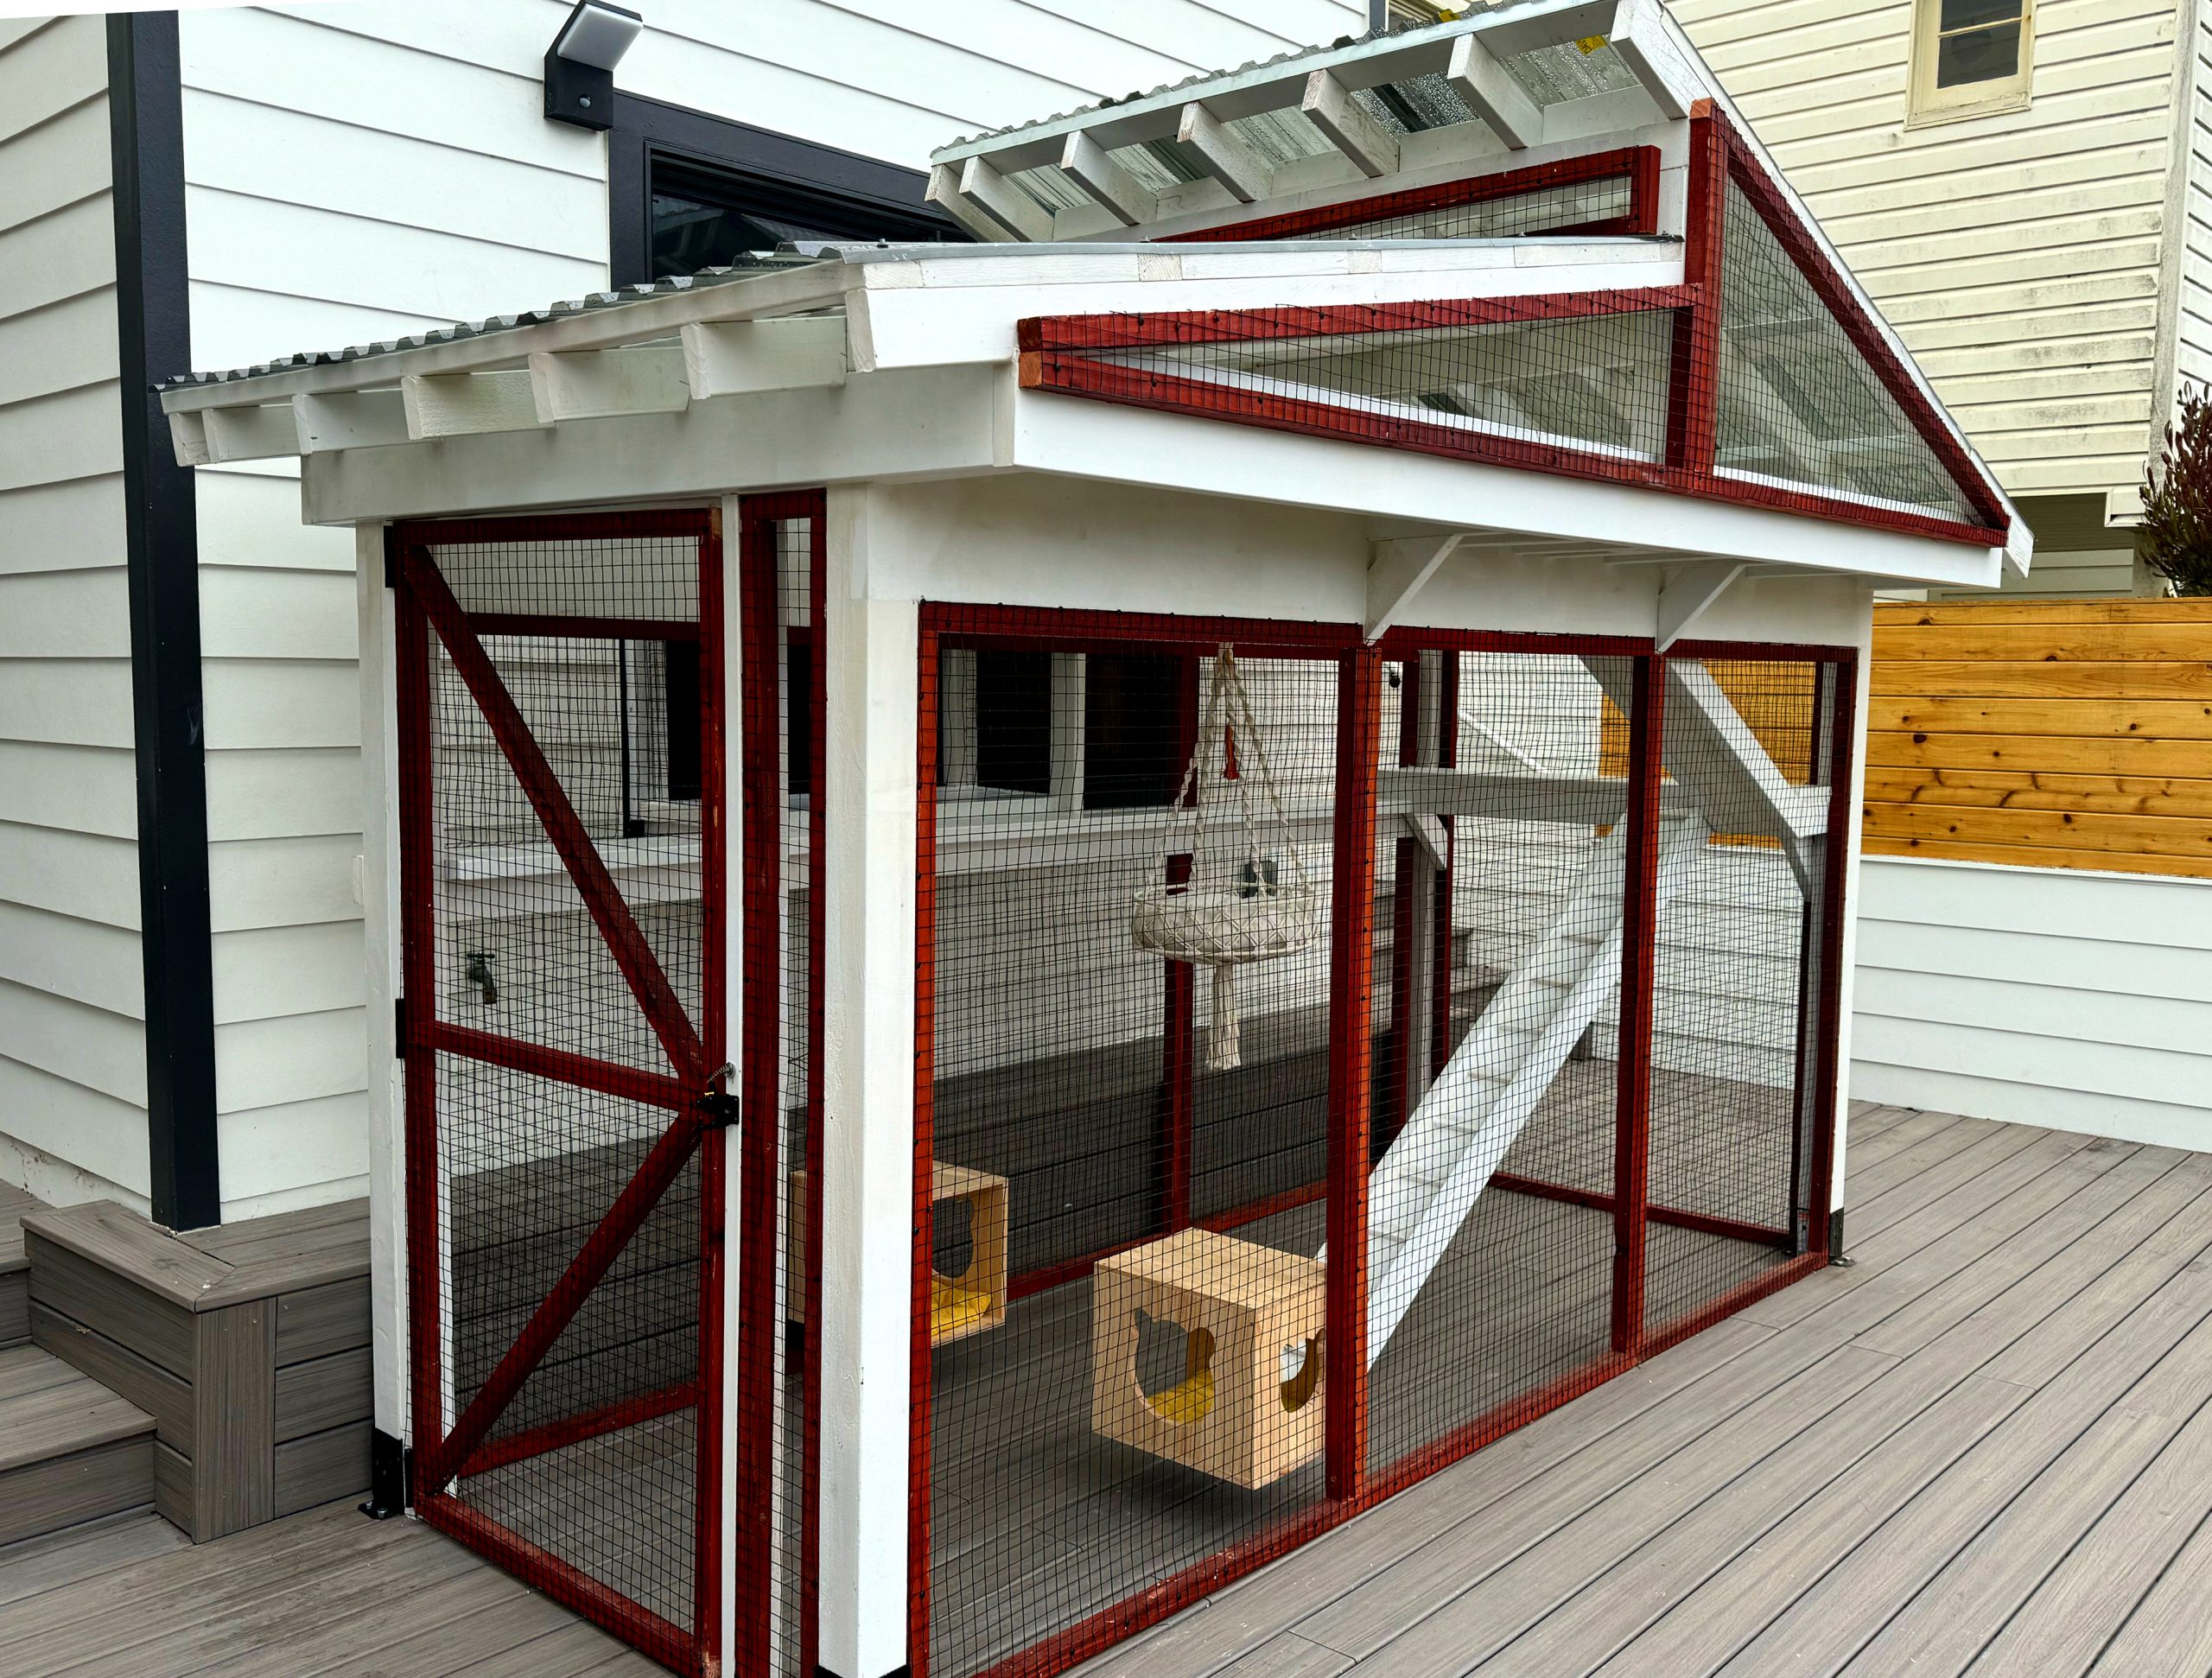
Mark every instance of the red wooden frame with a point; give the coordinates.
(1638, 165)
(1639, 955)
(1059, 353)
(423, 605)
(1349, 1486)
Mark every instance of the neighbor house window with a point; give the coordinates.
(1971, 58)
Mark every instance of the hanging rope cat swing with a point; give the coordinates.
(1247, 898)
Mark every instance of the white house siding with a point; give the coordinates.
(2193, 310)
(72, 1079)
(359, 170)
(2018, 255)
(2050, 997)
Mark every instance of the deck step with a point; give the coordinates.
(70, 1450)
(14, 1270)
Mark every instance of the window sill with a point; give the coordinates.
(2001, 105)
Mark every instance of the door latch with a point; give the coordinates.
(719, 1109)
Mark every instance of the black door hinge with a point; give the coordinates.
(399, 1028)
(390, 558)
(721, 1110)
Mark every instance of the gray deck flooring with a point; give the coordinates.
(1988, 1444)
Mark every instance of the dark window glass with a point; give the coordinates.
(1013, 720)
(1991, 55)
(683, 667)
(1132, 748)
(708, 217)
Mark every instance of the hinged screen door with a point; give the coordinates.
(561, 885)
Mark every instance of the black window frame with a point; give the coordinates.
(794, 176)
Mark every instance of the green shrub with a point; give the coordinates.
(2174, 538)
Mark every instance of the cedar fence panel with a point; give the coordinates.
(2072, 735)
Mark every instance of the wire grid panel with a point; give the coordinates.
(1492, 1236)
(1593, 384)
(1798, 404)
(1740, 941)
(593, 1463)
(781, 557)
(1128, 1181)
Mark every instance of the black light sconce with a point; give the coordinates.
(579, 64)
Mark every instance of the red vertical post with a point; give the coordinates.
(762, 1079)
(919, 1482)
(1639, 945)
(1693, 377)
(714, 1028)
(419, 1014)
(1352, 958)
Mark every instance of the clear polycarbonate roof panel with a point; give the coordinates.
(1555, 75)
(1598, 383)
(1798, 404)
(1543, 209)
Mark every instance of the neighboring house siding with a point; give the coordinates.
(2020, 255)
(358, 171)
(2193, 314)
(2076, 1001)
(72, 1061)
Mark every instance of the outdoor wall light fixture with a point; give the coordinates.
(579, 64)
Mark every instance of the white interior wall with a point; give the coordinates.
(72, 1058)
(2049, 996)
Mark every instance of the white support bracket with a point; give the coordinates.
(349, 419)
(604, 383)
(1222, 154)
(1329, 106)
(1641, 41)
(1476, 77)
(250, 434)
(1431, 834)
(1398, 571)
(783, 353)
(466, 405)
(1685, 594)
(1085, 162)
(944, 191)
(997, 198)
(188, 437)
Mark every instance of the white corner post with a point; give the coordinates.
(871, 669)
(376, 874)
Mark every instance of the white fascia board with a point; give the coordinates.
(1079, 438)
(934, 325)
(1508, 30)
(914, 423)
(820, 285)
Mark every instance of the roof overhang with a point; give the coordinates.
(900, 363)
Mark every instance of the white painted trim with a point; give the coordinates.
(463, 404)
(991, 195)
(1327, 104)
(1242, 172)
(646, 378)
(1684, 596)
(1476, 76)
(1084, 162)
(379, 885)
(1398, 572)
(738, 357)
(364, 419)
(870, 666)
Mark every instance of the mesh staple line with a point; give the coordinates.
(1140, 1371)
(563, 950)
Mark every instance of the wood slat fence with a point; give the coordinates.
(2072, 735)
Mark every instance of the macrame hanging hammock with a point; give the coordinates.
(1246, 897)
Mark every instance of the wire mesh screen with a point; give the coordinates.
(562, 770)
(1798, 402)
(1490, 1237)
(1127, 1212)
(1544, 210)
(1748, 748)
(1594, 385)
(781, 553)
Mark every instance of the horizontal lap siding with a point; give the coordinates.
(2193, 320)
(2066, 735)
(2018, 255)
(71, 994)
(2068, 999)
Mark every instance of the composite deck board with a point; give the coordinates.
(1984, 1443)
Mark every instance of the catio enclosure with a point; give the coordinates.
(1055, 911)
